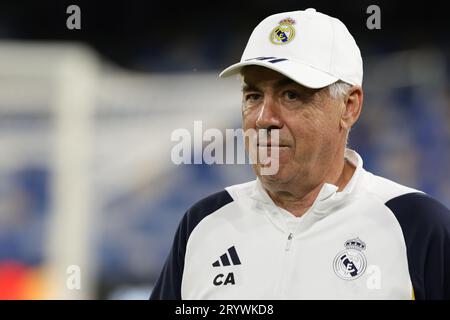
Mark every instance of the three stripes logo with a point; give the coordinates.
(226, 261)
(269, 59)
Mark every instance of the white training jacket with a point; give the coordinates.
(374, 240)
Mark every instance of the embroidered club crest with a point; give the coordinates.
(284, 32)
(351, 263)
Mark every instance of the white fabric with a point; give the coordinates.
(321, 51)
(272, 267)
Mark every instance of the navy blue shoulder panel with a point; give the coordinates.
(168, 286)
(425, 223)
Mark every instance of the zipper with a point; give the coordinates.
(289, 241)
(285, 274)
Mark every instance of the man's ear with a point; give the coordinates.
(352, 107)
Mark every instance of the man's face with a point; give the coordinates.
(308, 121)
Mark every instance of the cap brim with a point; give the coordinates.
(300, 73)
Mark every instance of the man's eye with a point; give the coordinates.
(252, 97)
(290, 95)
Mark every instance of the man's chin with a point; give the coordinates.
(278, 177)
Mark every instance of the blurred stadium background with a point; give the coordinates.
(86, 117)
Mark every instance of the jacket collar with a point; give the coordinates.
(327, 198)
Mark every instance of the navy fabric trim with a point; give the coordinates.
(425, 223)
(168, 286)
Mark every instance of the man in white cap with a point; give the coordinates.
(321, 227)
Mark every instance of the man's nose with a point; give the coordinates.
(269, 116)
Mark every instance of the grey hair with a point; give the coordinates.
(339, 89)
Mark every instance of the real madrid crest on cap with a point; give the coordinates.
(351, 263)
(284, 32)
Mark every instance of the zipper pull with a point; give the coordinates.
(289, 241)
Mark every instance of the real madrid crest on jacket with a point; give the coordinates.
(374, 240)
(351, 263)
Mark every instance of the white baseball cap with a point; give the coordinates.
(307, 46)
